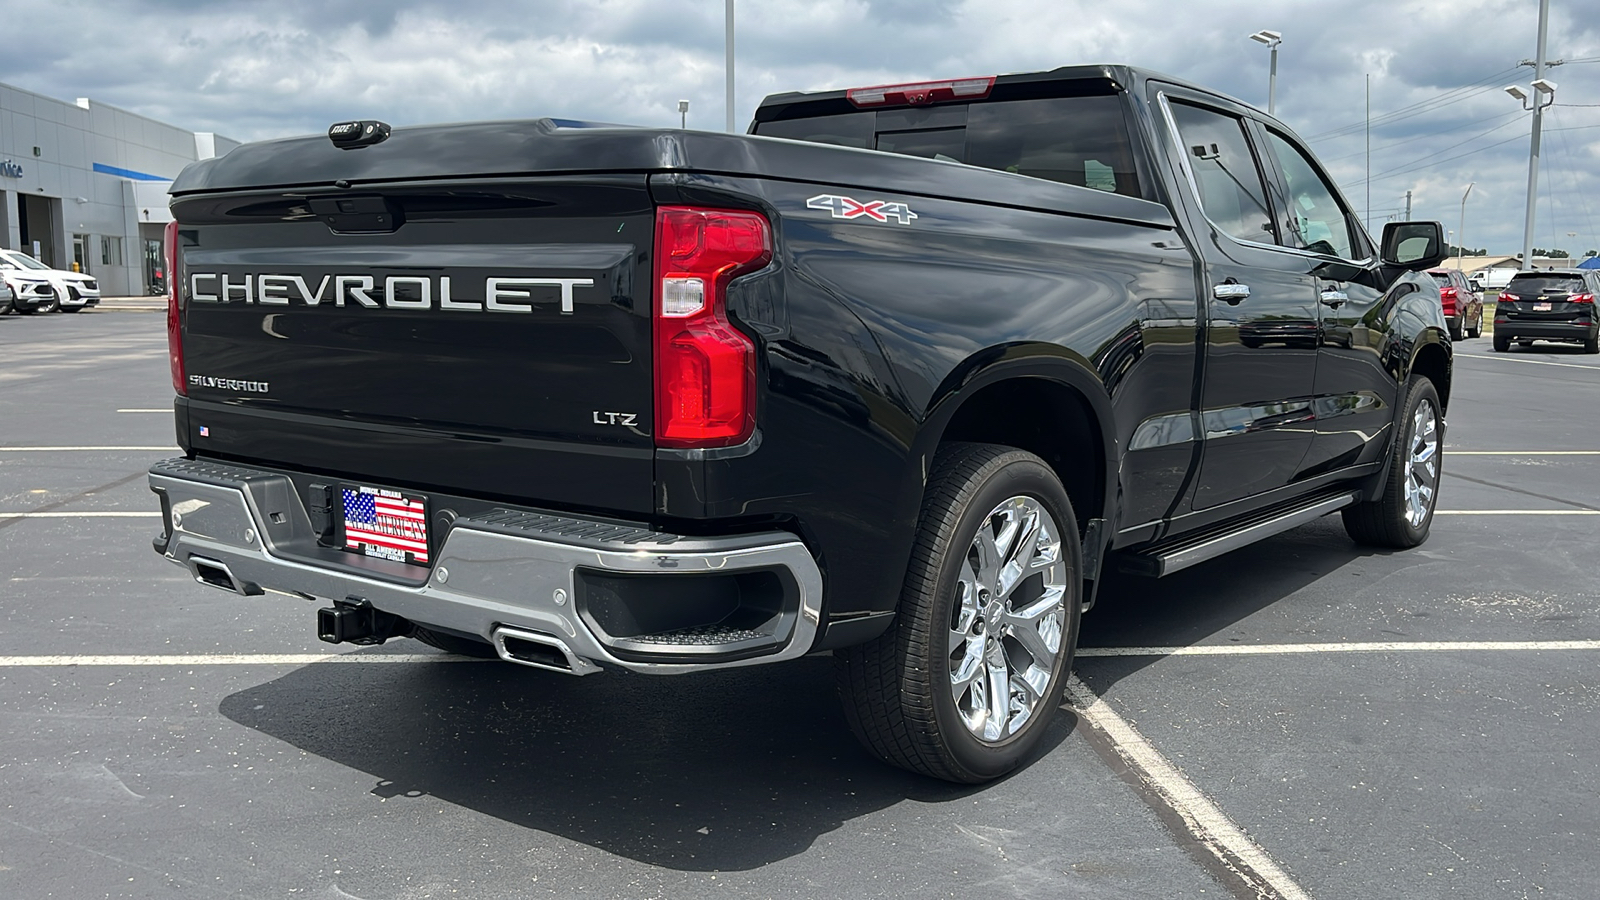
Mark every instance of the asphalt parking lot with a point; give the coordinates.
(1301, 718)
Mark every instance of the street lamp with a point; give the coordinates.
(1544, 94)
(1271, 39)
(683, 114)
(1462, 231)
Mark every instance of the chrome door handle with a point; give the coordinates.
(1335, 298)
(1231, 292)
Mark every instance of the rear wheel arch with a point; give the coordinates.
(1049, 405)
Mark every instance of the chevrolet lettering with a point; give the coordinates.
(914, 425)
(500, 294)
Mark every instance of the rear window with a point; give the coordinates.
(1442, 277)
(1073, 140)
(1529, 284)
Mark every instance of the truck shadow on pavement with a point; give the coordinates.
(1208, 602)
(720, 771)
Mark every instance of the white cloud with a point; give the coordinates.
(253, 70)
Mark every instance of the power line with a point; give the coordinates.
(1423, 137)
(1407, 165)
(1411, 166)
(1454, 95)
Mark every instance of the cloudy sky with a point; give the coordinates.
(252, 69)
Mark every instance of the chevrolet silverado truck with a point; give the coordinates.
(900, 374)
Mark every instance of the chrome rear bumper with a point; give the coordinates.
(505, 571)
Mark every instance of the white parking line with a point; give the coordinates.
(1451, 452)
(1345, 647)
(1531, 362)
(1204, 819)
(230, 659)
(141, 514)
(144, 410)
(1517, 512)
(69, 449)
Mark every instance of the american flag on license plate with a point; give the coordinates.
(386, 524)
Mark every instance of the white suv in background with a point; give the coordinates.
(73, 290)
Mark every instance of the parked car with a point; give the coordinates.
(1549, 305)
(1463, 306)
(30, 293)
(73, 291)
(7, 298)
(590, 397)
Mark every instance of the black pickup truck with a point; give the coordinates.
(898, 375)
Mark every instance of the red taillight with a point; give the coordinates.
(174, 322)
(1447, 298)
(705, 368)
(1506, 297)
(922, 92)
(1581, 298)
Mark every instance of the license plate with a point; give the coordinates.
(385, 524)
(1541, 307)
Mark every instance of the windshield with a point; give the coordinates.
(1528, 285)
(23, 260)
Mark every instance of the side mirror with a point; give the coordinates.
(1413, 245)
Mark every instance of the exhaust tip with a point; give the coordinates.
(541, 651)
(218, 575)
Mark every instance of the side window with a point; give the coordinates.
(1231, 191)
(1322, 223)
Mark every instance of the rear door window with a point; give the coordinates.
(1226, 174)
(1082, 141)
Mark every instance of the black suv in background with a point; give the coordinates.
(1549, 305)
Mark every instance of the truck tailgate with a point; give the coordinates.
(486, 337)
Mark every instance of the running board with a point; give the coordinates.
(1164, 560)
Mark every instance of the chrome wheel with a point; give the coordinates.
(1422, 465)
(1007, 623)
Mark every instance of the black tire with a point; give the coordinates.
(450, 643)
(27, 310)
(1385, 522)
(1457, 335)
(1502, 344)
(896, 690)
(1476, 331)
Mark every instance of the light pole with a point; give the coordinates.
(1271, 39)
(683, 114)
(728, 49)
(1544, 94)
(1461, 232)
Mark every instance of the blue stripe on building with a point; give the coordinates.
(104, 169)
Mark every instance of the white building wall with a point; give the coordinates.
(95, 164)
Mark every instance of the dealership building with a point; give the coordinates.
(85, 185)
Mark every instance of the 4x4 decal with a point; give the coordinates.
(849, 208)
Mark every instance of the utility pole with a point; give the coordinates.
(1369, 147)
(1533, 146)
(1408, 207)
(730, 64)
(1461, 233)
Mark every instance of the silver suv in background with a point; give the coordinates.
(72, 291)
